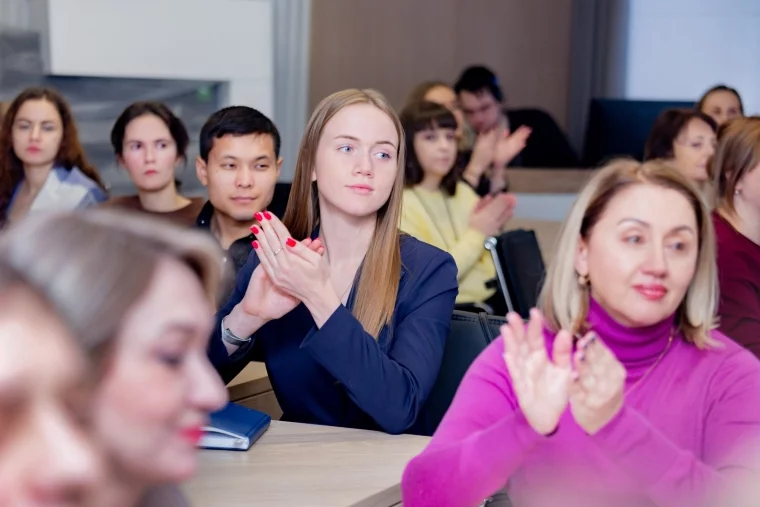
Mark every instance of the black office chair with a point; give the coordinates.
(470, 334)
(519, 267)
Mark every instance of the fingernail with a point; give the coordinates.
(255, 230)
(583, 358)
(267, 215)
(255, 245)
(592, 339)
(258, 217)
(290, 242)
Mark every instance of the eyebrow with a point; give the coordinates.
(352, 138)
(648, 226)
(160, 139)
(21, 118)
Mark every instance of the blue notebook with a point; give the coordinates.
(234, 428)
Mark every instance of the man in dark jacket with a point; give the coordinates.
(239, 163)
(513, 137)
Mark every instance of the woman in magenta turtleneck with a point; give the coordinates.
(649, 406)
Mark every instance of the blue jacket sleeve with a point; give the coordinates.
(229, 366)
(392, 387)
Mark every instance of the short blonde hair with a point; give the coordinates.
(565, 302)
(93, 266)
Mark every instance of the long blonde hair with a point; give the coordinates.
(565, 302)
(93, 266)
(381, 271)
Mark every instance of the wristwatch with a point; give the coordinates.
(231, 338)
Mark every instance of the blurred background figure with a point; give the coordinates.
(444, 211)
(144, 320)
(737, 228)
(47, 456)
(42, 164)
(722, 103)
(440, 92)
(150, 142)
(685, 139)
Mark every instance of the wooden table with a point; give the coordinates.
(252, 389)
(306, 466)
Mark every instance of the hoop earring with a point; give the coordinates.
(583, 281)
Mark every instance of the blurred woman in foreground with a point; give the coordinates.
(138, 295)
(46, 454)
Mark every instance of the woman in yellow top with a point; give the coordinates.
(440, 209)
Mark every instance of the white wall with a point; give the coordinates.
(221, 40)
(677, 49)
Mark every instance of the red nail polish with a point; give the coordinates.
(290, 242)
(258, 217)
(267, 215)
(255, 230)
(255, 245)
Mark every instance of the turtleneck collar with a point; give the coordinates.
(637, 348)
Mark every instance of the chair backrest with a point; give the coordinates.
(470, 334)
(520, 268)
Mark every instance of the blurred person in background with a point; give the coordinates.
(440, 92)
(736, 165)
(47, 456)
(138, 295)
(722, 103)
(520, 137)
(476, 154)
(150, 142)
(445, 212)
(42, 164)
(239, 163)
(685, 139)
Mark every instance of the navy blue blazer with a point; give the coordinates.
(340, 375)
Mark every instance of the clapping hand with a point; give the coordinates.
(510, 145)
(597, 393)
(492, 213)
(263, 298)
(293, 268)
(540, 383)
(483, 152)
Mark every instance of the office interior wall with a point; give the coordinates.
(221, 40)
(680, 48)
(394, 44)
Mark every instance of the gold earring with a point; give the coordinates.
(583, 280)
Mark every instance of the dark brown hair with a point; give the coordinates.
(720, 88)
(418, 117)
(173, 123)
(738, 152)
(377, 288)
(668, 127)
(70, 154)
